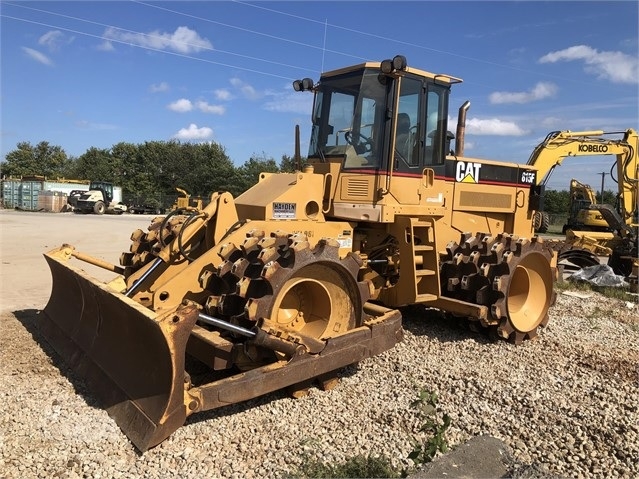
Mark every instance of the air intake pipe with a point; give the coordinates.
(461, 129)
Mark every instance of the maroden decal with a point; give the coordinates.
(284, 210)
(467, 172)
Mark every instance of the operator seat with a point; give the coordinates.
(403, 137)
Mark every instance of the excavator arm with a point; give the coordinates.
(559, 145)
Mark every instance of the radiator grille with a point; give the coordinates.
(357, 187)
(485, 200)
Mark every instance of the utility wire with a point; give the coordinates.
(181, 55)
(275, 37)
(147, 35)
(401, 42)
(254, 32)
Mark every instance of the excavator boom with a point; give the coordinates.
(590, 223)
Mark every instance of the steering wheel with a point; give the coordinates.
(361, 143)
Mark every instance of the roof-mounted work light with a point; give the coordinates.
(303, 85)
(398, 63)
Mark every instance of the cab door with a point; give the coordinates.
(419, 141)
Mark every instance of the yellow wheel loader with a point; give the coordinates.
(304, 273)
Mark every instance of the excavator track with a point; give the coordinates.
(510, 275)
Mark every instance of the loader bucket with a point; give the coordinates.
(131, 358)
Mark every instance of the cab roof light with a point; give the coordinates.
(303, 85)
(398, 63)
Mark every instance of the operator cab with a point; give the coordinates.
(105, 187)
(380, 117)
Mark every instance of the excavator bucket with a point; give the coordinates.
(131, 357)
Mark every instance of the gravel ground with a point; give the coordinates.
(565, 404)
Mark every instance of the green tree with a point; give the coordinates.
(43, 159)
(609, 197)
(557, 202)
(288, 164)
(95, 165)
(208, 168)
(124, 157)
(152, 171)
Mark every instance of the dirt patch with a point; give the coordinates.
(25, 280)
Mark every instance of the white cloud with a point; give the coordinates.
(551, 122)
(54, 39)
(540, 91)
(223, 94)
(37, 56)
(194, 133)
(247, 90)
(206, 108)
(183, 40)
(614, 66)
(493, 126)
(290, 103)
(182, 105)
(159, 87)
(106, 46)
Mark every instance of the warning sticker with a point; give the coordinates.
(284, 210)
(345, 242)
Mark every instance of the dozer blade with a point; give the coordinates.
(132, 358)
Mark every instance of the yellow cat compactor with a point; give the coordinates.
(301, 275)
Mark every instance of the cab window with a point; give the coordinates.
(421, 125)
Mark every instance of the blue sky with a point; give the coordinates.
(81, 74)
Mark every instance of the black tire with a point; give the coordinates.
(541, 221)
(99, 208)
(545, 222)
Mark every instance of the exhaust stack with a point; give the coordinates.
(298, 157)
(461, 129)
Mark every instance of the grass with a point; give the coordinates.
(623, 294)
(425, 448)
(356, 466)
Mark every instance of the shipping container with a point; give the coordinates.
(65, 187)
(21, 194)
(24, 193)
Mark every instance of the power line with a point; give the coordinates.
(182, 55)
(326, 24)
(401, 42)
(254, 32)
(216, 50)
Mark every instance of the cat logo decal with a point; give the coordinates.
(467, 172)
